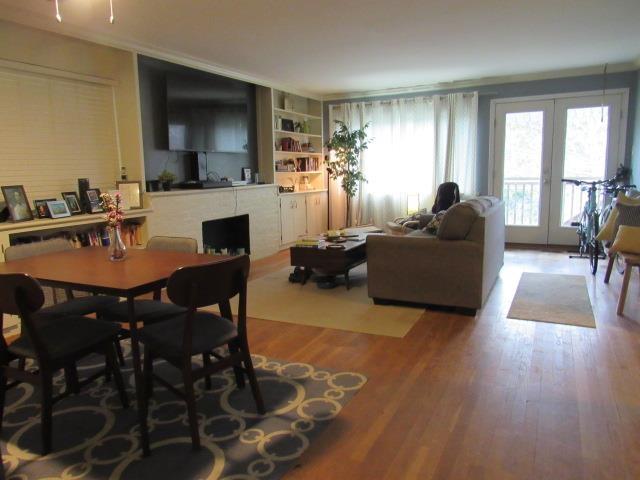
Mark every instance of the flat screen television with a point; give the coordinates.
(210, 113)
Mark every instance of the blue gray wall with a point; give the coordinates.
(635, 139)
(537, 87)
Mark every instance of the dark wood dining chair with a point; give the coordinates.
(72, 305)
(150, 311)
(198, 332)
(54, 343)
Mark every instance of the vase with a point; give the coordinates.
(117, 248)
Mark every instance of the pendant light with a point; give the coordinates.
(112, 17)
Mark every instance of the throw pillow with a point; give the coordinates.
(628, 215)
(627, 240)
(434, 223)
(457, 222)
(608, 230)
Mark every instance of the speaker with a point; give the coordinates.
(83, 186)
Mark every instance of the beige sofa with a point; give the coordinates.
(437, 269)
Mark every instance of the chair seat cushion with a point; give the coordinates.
(80, 306)
(209, 331)
(66, 336)
(147, 311)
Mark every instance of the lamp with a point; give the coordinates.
(59, 17)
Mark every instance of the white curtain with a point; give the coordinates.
(415, 144)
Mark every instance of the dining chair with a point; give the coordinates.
(199, 332)
(54, 344)
(150, 311)
(81, 305)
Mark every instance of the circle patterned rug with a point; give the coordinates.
(93, 437)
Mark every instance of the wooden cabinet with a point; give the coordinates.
(317, 213)
(293, 217)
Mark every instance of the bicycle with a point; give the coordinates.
(589, 224)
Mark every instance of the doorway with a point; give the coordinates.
(537, 141)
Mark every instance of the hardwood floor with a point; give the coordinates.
(480, 398)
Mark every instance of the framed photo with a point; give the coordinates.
(93, 200)
(58, 209)
(17, 203)
(73, 202)
(246, 174)
(287, 125)
(42, 209)
(131, 192)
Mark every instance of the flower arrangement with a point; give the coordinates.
(113, 206)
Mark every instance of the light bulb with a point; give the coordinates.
(111, 17)
(58, 17)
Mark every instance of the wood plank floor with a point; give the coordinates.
(480, 398)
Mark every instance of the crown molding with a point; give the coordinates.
(479, 82)
(47, 22)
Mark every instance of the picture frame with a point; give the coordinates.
(93, 200)
(131, 193)
(287, 125)
(42, 209)
(73, 202)
(58, 209)
(246, 174)
(16, 199)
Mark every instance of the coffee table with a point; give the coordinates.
(329, 261)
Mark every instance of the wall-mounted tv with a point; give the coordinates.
(210, 113)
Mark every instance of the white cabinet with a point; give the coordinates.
(317, 213)
(293, 217)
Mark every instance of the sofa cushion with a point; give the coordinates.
(458, 220)
(421, 234)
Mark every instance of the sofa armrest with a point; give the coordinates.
(425, 270)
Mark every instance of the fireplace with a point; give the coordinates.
(226, 235)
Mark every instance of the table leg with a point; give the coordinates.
(346, 280)
(137, 372)
(306, 274)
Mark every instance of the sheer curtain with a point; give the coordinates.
(415, 144)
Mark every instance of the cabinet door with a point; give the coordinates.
(300, 216)
(316, 213)
(287, 220)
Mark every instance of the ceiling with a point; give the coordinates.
(327, 47)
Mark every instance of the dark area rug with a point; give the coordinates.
(93, 437)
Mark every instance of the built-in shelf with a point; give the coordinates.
(73, 221)
(315, 172)
(302, 192)
(289, 153)
(297, 134)
(297, 114)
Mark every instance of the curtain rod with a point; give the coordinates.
(390, 100)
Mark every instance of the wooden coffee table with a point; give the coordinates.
(329, 261)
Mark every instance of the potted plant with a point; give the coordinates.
(166, 178)
(344, 165)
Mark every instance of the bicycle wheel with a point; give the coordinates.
(594, 246)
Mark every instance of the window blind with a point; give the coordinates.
(54, 131)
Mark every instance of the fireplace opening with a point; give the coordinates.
(226, 236)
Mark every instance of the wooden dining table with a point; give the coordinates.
(89, 269)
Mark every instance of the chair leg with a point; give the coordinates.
(22, 363)
(190, 398)
(71, 375)
(612, 260)
(148, 373)
(623, 290)
(253, 381)
(3, 390)
(206, 361)
(112, 364)
(46, 392)
(233, 348)
(119, 352)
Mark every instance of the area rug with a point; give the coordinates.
(273, 297)
(553, 298)
(94, 438)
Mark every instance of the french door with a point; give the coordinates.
(536, 143)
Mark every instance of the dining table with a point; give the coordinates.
(89, 269)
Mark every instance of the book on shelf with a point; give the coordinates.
(308, 242)
(93, 236)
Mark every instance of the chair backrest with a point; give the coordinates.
(448, 194)
(21, 295)
(203, 285)
(176, 244)
(17, 252)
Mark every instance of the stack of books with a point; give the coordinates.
(308, 242)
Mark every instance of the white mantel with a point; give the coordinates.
(181, 213)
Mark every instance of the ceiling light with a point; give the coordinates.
(112, 18)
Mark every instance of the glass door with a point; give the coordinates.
(539, 142)
(586, 147)
(522, 159)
